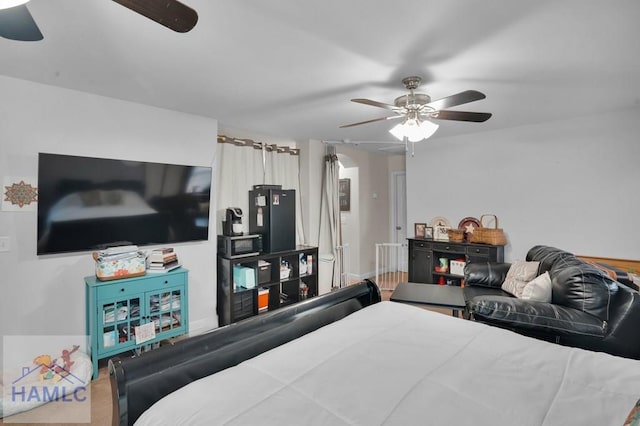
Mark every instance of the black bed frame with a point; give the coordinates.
(138, 382)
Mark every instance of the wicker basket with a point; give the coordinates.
(494, 236)
(456, 235)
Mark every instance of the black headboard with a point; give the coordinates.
(137, 383)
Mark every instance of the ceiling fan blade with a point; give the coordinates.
(371, 121)
(457, 99)
(376, 104)
(170, 13)
(16, 23)
(357, 142)
(394, 147)
(476, 117)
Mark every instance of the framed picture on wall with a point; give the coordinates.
(344, 191)
(419, 229)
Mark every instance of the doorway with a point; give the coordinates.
(398, 232)
(349, 251)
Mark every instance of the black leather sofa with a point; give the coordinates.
(588, 310)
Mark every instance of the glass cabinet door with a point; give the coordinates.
(117, 320)
(164, 309)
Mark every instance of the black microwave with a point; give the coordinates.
(233, 247)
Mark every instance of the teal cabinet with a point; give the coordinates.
(118, 310)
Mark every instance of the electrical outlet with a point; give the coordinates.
(4, 244)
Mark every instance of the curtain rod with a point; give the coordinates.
(258, 145)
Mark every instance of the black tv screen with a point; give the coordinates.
(89, 203)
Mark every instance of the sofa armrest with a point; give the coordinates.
(485, 274)
(622, 327)
(534, 316)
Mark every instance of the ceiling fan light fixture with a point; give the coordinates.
(7, 4)
(414, 130)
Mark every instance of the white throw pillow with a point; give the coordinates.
(519, 274)
(538, 289)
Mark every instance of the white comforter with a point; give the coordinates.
(400, 365)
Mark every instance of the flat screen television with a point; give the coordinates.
(87, 203)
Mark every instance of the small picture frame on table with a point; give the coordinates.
(428, 233)
(419, 229)
(440, 233)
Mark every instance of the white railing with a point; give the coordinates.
(391, 264)
(343, 264)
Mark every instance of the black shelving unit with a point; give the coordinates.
(425, 255)
(236, 303)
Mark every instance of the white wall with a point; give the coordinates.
(571, 184)
(45, 295)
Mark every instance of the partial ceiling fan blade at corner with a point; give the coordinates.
(171, 13)
(16, 23)
(476, 117)
(371, 121)
(376, 104)
(457, 99)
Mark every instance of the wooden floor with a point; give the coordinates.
(101, 408)
(388, 281)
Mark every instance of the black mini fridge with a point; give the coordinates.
(272, 213)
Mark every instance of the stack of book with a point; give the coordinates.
(162, 260)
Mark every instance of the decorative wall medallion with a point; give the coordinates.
(19, 195)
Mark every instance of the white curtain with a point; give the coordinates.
(330, 236)
(249, 163)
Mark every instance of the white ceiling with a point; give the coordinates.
(288, 68)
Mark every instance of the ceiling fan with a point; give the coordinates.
(16, 23)
(416, 110)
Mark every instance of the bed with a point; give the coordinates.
(347, 358)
